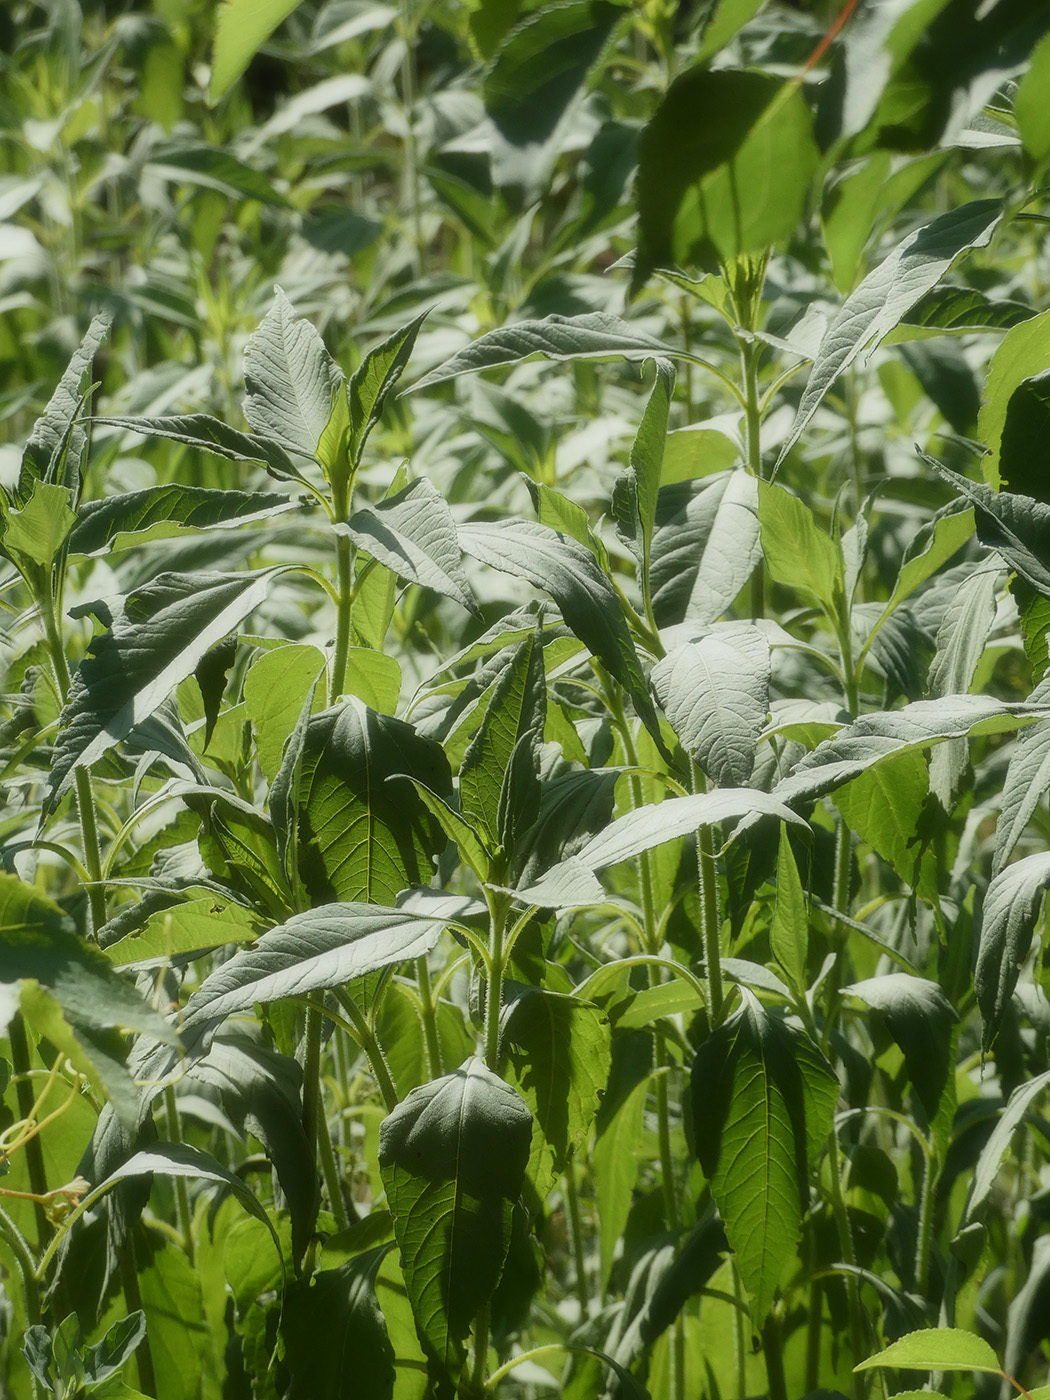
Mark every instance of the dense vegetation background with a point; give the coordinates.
(524, 732)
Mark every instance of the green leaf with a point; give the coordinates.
(1011, 904)
(370, 383)
(1023, 352)
(414, 535)
(1023, 438)
(457, 828)
(883, 806)
(729, 17)
(243, 27)
(928, 551)
(1026, 781)
(560, 1050)
(763, 1104)
(789, 930)
(275, 687)
(617, 1158)
(959, 311)
(914, 267)
(290, 378)
(163, 512)
(1017, 526)
(189, 927)
(211, 435)
(154, 641)
(998, 1144)
(452, 1157)
(107, 1356)
(335, 1338)
(212, 168)
(715, 693)
(582, 592)
(1030, 110)
(636, 490)
(936, 1349)
(374, 678)
(56, 444)
(705, 546)
(32, 535)
(797, 551)
(724, 168)
(593, 335)
(361, 835)
(920, 1018)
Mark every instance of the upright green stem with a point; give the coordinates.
(314, 1124)
(849, 1256)
(182, 1199)
(12, 1237)
(344, 562)
(922, 1244)
(33, 1148)
(494, 988)
(428, 1015)
(773, 1351)
(133, 1297)
(710, 915)
(572, 1205)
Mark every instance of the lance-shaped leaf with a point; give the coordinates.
(715, 693)
(593, 335)
(1027, 779)
(937, 1349)
(960, 311)
(56, 444)
(914, 267)
(414, 535)
(117, 522)
(998, 1144)
(1017, 526)
(290, 379)
(243, 26)
(560, 1049)
(452, 1156)
(212, 435)
(156, 639)
(584, 595)
(789, 929)
(763, 1104)
(364, 832)
(335, 1336)
(370, 383)
(705, 545)
(920, 1018)
(1011, 903)
(636, 491)
(876, 736)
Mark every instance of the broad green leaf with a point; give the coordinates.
(715, 693)
(414, 535)
(335, 1338)
(364, 833)
(289, 378)
(928, 551)
(1017, 526)
(920, 1018)
(542, 64)
(560, 1050)
(1023, 438)
(914, 267)
(517, 708)
(1030, 109)
(959, 311)
(705, 547)
(575, 803)
(1026, 781)
(211, 435)
(374, 678)
(106, 1357)
(243, 27)
(57, 442)
(724, 168)
(457, 828)
(617, 1160)
(729, 16)
(936, 1349)
(161, 512)
(998, 1144)
(654, 1003)
(883, 806)
(1024, 352)
(593, 335)
(32, 535)
(862, 199)
(789, 929)
(212, 168)
(636, 490)
(582, 592)
(154, 641)
(370, 383)
(1011, 904)
(797, 551)
(452, 1156)
(274, 690)
(189, 927)
(763, 1104)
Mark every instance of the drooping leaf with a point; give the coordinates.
(920, 1019)
(414, 535)
(559, 1047)
(212, 435)
(336, 1342)
(154, 641)
(364, 833)
(936, 1349)
(56, 444)
(914, 267)
(715, 693)
(290, 379)
(1027, 779)
(705, 546)
(452, 1156)
(1011, 903)
(763, 1103)
(159, 512)
(960, 311)
(370, 383)
(1017, 526)
(593, 335)
(1003, 1134)
(243, 27)
(724, 166)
